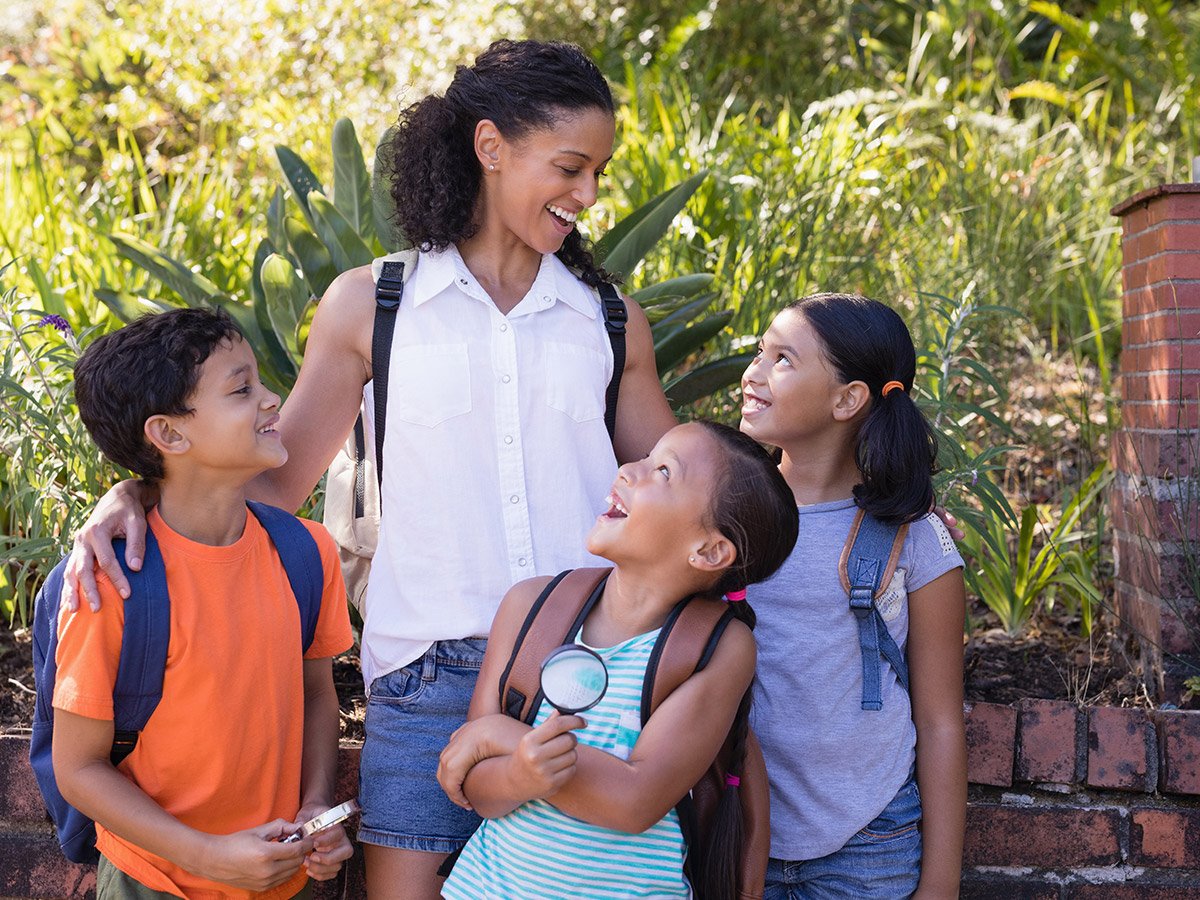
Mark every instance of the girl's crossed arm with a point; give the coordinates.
(495, 763)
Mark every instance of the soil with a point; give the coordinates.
(1050, 660)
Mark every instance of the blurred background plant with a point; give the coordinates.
(967, 148)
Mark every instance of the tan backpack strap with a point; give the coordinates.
(684, 647)
(553, 620)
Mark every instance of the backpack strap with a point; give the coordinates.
(554, 619)
(389, 288)
(144, 641)
(866, 566)
(615, 317)
(684, 646)
(301, 559)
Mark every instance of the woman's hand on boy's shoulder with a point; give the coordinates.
(121, 512)
(950, 522)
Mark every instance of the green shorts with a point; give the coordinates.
(113, 884)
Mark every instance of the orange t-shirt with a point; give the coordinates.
(222, 751)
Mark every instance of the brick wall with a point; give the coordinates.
(1156, 493)
(1064, 803)
(1074, 803)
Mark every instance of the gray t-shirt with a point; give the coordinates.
(833, 766)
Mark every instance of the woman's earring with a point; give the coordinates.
(492, 167)
(691, 559)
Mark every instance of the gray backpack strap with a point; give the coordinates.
(866, 567)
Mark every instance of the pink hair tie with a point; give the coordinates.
(733, 781)
(736, 596)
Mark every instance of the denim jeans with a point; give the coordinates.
(411, 714)
(881, 862)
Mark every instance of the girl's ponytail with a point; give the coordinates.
(896, 448)
(896, 452)
(721, 860)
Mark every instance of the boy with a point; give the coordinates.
(242, 748)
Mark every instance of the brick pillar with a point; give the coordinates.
(1156, 493)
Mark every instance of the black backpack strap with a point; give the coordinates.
(615, 317)
(554, 619)
(388, 290)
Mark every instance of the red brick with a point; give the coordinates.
(1122, 749)
(1026, 836)
(1046, 750)
(1179, 742)
(1156, 453)
(1176, 888)
(989, 886)
(1179, 627)
(1172, 207)
(1165, 838)
(1171, 264)
(1135, 221)
(1140, 611)
(1163, 570)
(991, 736)
(1165, 387)
(1144, 414)
(1160, 325)
(1141, 299)
(34, 867)
(20, 800)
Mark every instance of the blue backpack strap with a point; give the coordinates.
(301, 560)
(143, 662)
(872, 550)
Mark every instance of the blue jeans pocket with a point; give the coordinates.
(398, 687)
(899, 818)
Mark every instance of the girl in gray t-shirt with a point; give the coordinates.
(865, 802)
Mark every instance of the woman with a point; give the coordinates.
(497, 456)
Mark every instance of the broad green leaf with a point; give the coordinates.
(300, 179)
(351, 184)
(707, 379)
(338, 236)
(315, 260)
(277, 358)
(686, 313)
(631, 239)
(1041, 90)
(677, 346)
(276, 214)
(195, 289)
(681, 286)
(52, 300)
(125, 307)
(286, 298)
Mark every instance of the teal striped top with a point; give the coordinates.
(536, 851)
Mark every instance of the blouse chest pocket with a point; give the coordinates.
(430, 383)
(576, 377)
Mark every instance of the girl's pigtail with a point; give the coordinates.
(896, 452)
(721, 859)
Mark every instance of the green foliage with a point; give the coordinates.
(1012, 573)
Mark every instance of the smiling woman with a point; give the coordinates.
(500, 362)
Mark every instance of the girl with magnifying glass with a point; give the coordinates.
(575, 809)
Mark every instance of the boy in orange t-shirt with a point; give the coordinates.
(242, 747)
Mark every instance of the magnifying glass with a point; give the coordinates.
(574, 679)
(327, 819)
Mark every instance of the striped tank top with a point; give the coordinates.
(536, 851)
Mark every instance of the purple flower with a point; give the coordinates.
(58, 323)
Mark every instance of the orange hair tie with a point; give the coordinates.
(890, 386)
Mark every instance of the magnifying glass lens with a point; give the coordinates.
(574, 679)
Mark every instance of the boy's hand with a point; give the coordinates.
(545, 758)
(330, 848)
(471, 743)
(119, 513)
(254, 859)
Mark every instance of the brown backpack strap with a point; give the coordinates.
(684, 647)
(889, 567)
(554, 619)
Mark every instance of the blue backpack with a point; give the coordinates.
(868, 561)
(144, 657)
